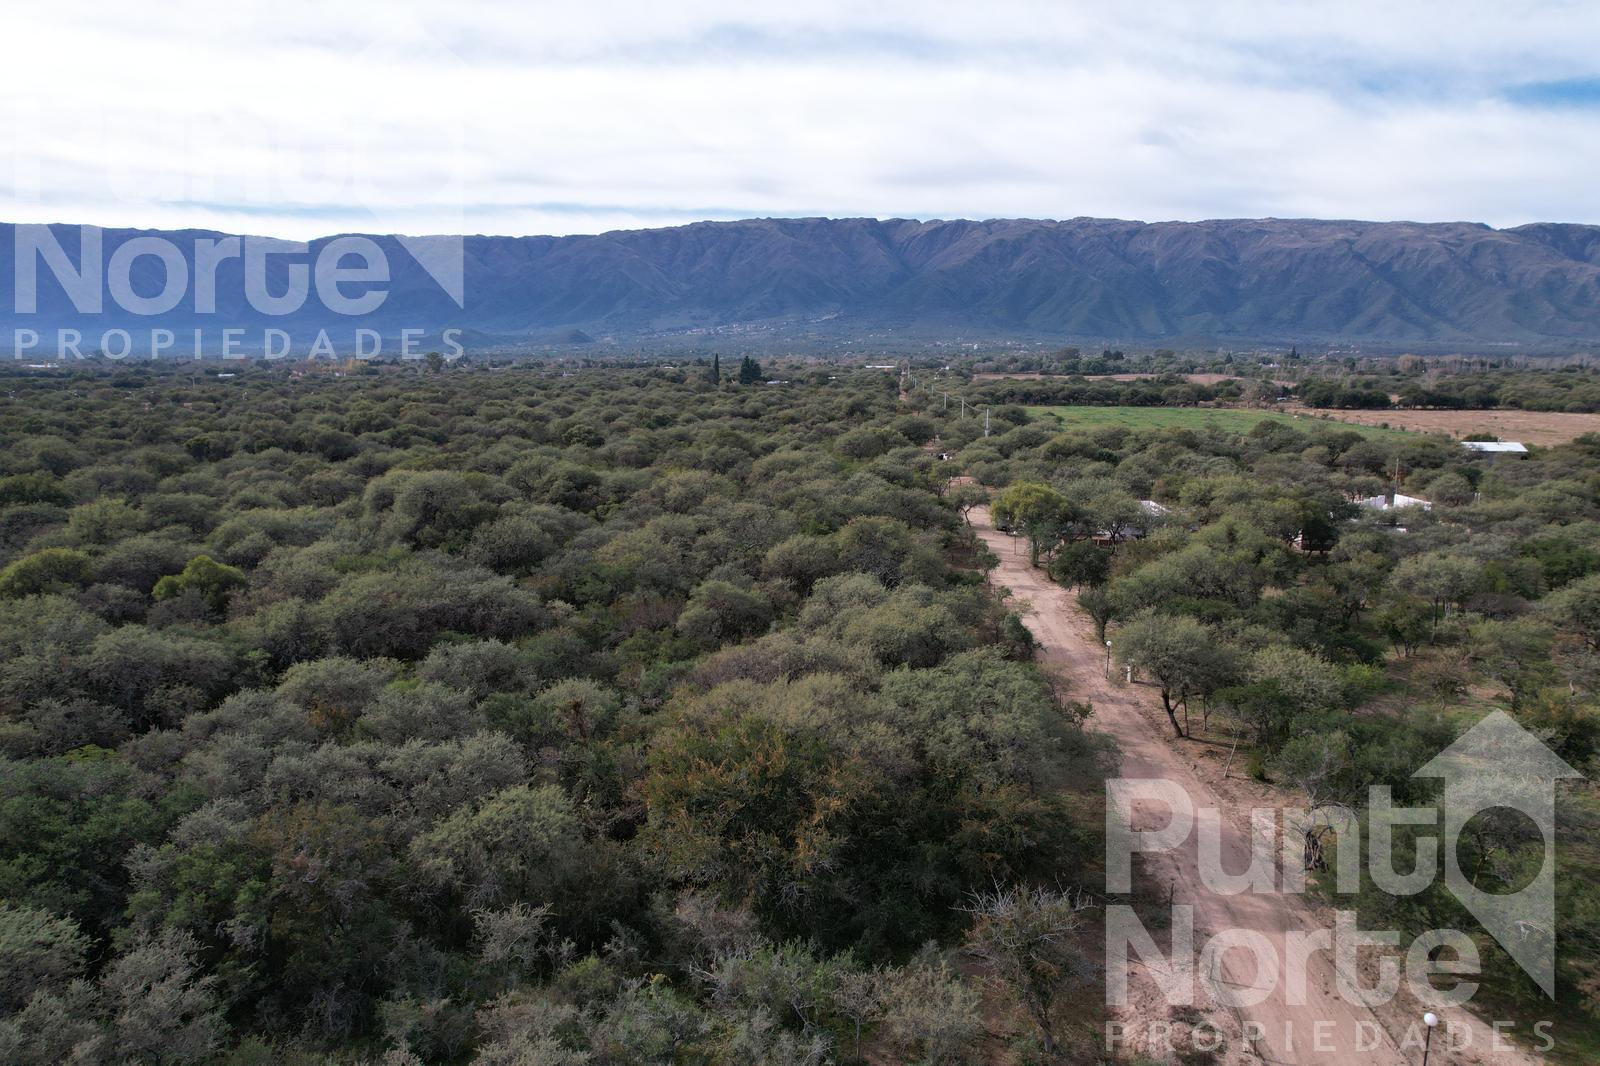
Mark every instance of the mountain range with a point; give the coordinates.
(1262, 279)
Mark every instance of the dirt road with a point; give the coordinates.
(1326, 1028)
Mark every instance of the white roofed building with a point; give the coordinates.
(1394, 501)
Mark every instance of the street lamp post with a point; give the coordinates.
(1431, 1020)
(1108, 660)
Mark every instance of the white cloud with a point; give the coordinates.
(300, 119)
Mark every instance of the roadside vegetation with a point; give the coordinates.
(1324, 647)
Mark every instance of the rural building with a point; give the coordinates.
(1394, 501)
(1496, 447)
(1153, 511)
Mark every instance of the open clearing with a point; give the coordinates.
(1228, 419)
(1529, 427)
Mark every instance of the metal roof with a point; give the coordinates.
(1384, 503)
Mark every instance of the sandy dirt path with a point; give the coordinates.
(1325, 1028)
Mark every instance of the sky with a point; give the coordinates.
(302, 119)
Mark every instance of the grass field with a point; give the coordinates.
(1228, 419)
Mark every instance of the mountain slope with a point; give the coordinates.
(1257, 278)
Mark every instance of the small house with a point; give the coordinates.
(1394, 501)
(1496, 447)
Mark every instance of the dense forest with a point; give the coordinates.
(665, 715)
(505, 717)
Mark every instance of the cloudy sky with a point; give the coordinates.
(300, 119)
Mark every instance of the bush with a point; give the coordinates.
(50, 570)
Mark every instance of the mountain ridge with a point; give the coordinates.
(1330, 279)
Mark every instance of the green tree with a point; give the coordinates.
(720, 611)
(1515, 652)
(60, 818)
(1081, 564)
(1307, 680)
(1185, 657)
(203, 576)
(37, 951)
(1231, 577)
(32, 488)
(428, 509)
(1441, 579)
(1036, 509)
(1098, 604)
(1574, 609)
(48, 570)
(163, 1009)
(1407, 621)
(967, 495)
(522, 842)
(1261, 707)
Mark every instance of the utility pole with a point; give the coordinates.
(985, 421)
(963, 407)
